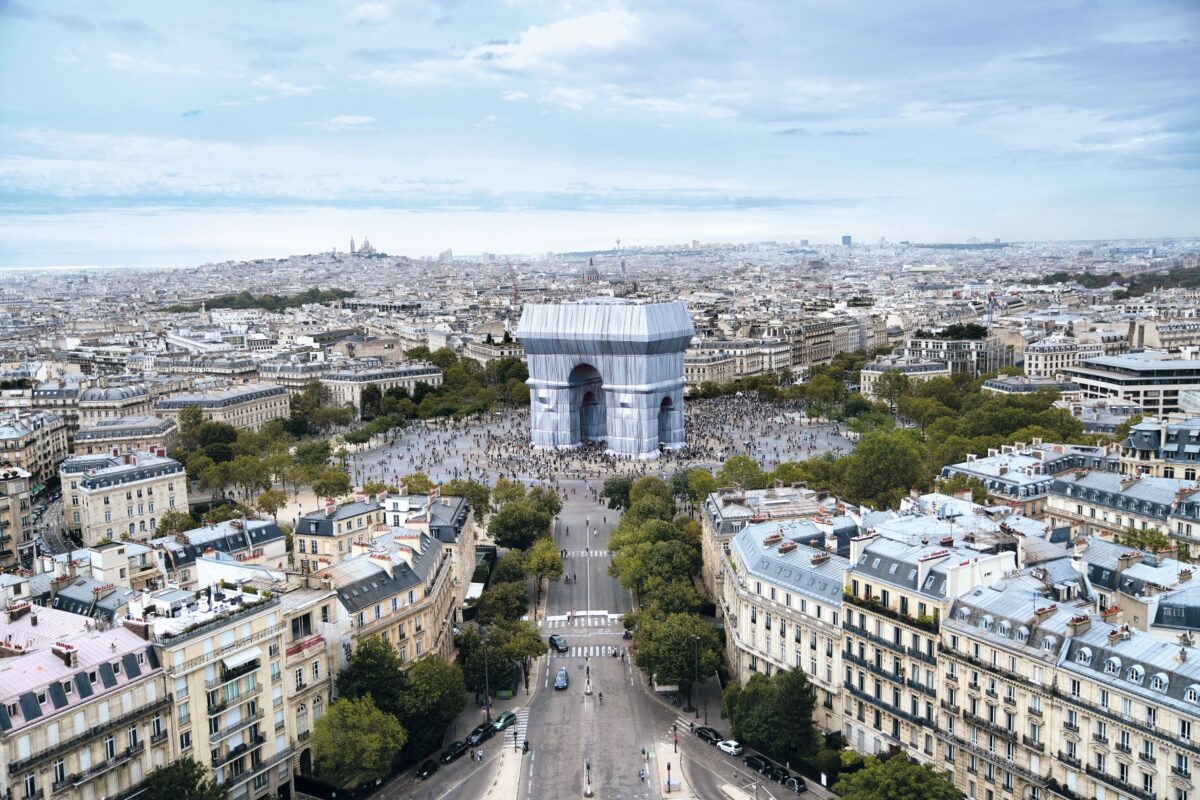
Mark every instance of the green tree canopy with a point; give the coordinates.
(742, 471)
(518, 524)
(897, 778)
(676, 649)
(774, 715)
(883, 467)
(331, 482)
(374, 669)
(477, 495)
(510, 567)
(432, 696)
(616, 491)
(270, 501)
(173, 521)
(182, 779)
(502, 601)
(417, 483)
(507, 491)
(650, 487)
(544, 562)
(355, 743)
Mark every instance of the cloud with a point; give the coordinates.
(145, 65)
(574, 98)
(191, 113)
(282, 88)
(344, 122)
(513, 95)
(549, 48)
(369, 13)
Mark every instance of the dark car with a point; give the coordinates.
(757, 763)
(709, 735)
(558, 643)
(779, 774)
(454, 751)
(483, 731)
(427, 768)
(796, 784)
(562, 680)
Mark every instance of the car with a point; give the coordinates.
(427, 768)
(453, 752)
(796, 784)
(562, 680)
(731, 747)
(558, 643)
(504, 720)
(483, 731)
(780, 774)
(757, 763)
(709, 735)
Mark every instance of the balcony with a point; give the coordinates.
(992, 693)
(255, 741)
(950, 707)
(1071, 726)
(1098, 739)
(105, 766)
(158, 738)
(1010, 700)
(256, 769)
(75, 742)
(241, 724)
(888, 707)
(300, 649)
(1070, 761)
(1118, 784)
(223, 703)
(1181, 772)
(927, 624)
(1124, 748)
(1033, 744)
(973, 687)
(228, 675)
(870, 637)
(302, 736)
(1146, 758)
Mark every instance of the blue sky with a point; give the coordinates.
(148, 133)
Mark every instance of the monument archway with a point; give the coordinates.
(606, 369)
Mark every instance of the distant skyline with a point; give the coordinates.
(159, 134)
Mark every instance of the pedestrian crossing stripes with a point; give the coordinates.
(589, 651)
(589, 553)
(579, 622)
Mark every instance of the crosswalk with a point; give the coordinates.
(589, 553)
(582, 621)
(588, 651)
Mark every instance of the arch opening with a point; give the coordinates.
(587, 390)
(666, 411)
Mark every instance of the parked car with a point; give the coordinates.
(796, 784)
(731, 747)
(758, 763)
(780, 774)
(483, 731)
(558, 644)
(562, 680)
(709, 735)
(454, 752)
(504, 720)
(427, 768)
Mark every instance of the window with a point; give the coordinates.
(185, 740)
(1135, 674)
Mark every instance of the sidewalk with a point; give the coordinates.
(664, 756)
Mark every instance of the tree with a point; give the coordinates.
(270, 501)
(1122, 431)
(544, 562)
(518, 525)
(1152, 540)
(355, 743)
(433, 695)
(883, 467)
(742, 471)
(897, 778)
(472, 644)
(373, 669)
(507, 491)
(701, 484)
(375, 487)
(502, 601)
(616, 491)
(544, 499)
(523, 643)
(331, 482)
(314, 456)
(891, 386)
(182, 779)
(477, 495)
(677, 649)
(958, 482)
(371, 402)
(249, 474)
(173, 521)
(510, 567)
(189, 421)
(417, 483)
(650, 487)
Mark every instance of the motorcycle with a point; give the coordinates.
(627, 634)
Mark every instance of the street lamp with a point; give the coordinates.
(695, 672)
(487, 684)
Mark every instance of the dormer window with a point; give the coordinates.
(1135, 674)
(1048, 644)
(1192, 694)
(1084, 656)
(1159, 682)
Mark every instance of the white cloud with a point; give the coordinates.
(541, 48)
(369, 13)
(572, 97)
(144, 65)
(513, 95)
(344, 122)
(283, 88)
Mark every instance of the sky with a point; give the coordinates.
(173, 133)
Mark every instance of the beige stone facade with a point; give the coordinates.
(245, 406)
(120, 496)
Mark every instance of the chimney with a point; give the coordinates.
(1081, 546)
(1128, 559)
(1040, 614)
(330, 507)
(1185, 574)
(1118, 634)
(1078, 624)
(15, 611)
(964, 495)
(66, 653)
(818, 558)
(1111, 615)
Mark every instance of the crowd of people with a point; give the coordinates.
(486, 447)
